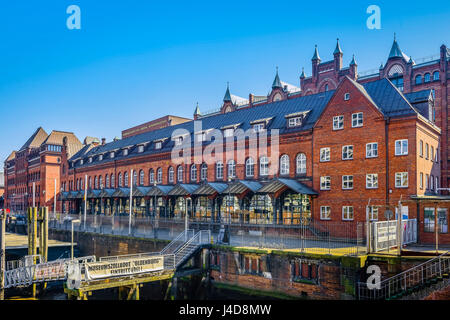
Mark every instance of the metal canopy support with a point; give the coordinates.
(2, 255)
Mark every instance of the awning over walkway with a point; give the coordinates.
(121, 192)
(93, 193)
(277, 184)
(140, 191)
(183, 189)
(159, 190)
(107, 193)
(210, 188)
(241, 186)
(63, 195)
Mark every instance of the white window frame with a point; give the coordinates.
(347, 96)
(347, 148)
(401, 175)
(370, 149)
(159, 175)
(325, 213)
(111, 155)
(178, 141)
(264, 166)
(158, 145)
(294, 122)
(346, 213)
(228, 132)
(231, 168)
(249, 167)
(372, 181)
(399, 147)
(171, 174)
(259, 127)
(140, 149)
(219, 169)
(325, 154)
(284, 164)
(371, 211)
(338, 122)
(347, 179)
(125, 152)
(300, 162)
(355, 117)
(193, 172)
(325, 183)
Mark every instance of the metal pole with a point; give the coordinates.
(71, 243)
(2, 254)
(436, 227)
(34, 194)
(54, 203)
(131, 200)
(185, 219)
(85, 199)
(399, 228)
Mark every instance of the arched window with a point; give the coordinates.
(180, 173)
(90, 183)
(95, 183)
(120, 179)
(426, 77)
(326, 87)
(395, 74)
(219, 170)
(125, 177)
(418, 79)
(141, 177)
(435, 75)
(78, 184)
(301, 163)
(263, 166)
(249, 167)
(107, 181)
(193, 172)
(159, 175)
(231, 169)
(204, 172)
(113, 185)
(284, 164)
(151, 177)
(100, 182)
(170, 175)
(135, 178)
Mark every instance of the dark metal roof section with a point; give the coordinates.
(338, 48)
(159, 190)
(106, 193)
(122, 192)
(395, 50)
(210, 188)
(316, 54)
(183, 189)
(241, 186)
(93, 193)
(353, 62)
(227, 97)
(276, 82)
(419, 96)
(280, 183)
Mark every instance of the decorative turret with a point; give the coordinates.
(337, 56)
(276, 82)
(353, 68)
(197, 112)
(315, 62)
(395, 50)
(353, 62)
(227, 97)
(303, 75)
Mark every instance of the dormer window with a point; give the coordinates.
(158, 145)
(100, 157)
(81, 162)
(90, 159)
(125, 152)
(258, 127)
(141, 149)
(178, 141)
(111, 155)
(294, 122)
(200, 137)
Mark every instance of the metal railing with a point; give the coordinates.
(406, 282)
(201, 237)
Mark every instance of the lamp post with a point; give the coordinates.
(131, 201)
(71, 245)
(154, 203)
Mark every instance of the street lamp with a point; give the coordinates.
(71, 246)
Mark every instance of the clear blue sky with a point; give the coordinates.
(133, 61)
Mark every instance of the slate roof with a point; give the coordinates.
(277, 184)
(384, 95)
(418, 96)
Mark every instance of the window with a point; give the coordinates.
(178, 141)
(372, 150)
(428, 221)
(112, 181)
(135, 178)
(100, 157)
(401, 179)
(141, 177)
(373, 212)
(372, 181)
(159, 175)
(347, 96)
(249, 167)
(347, 152)
(347, 182)
(357, 120)
(151, 177)
(324, 154)
(432, 153)
(427, 181)
(325, 213)
(401, 147)
(141, 149)
(107, 181)
(125, 152)
(90, 159)
(325, 183)
(125, 177)
(264, 166)
(431, 183)
(436, 155)
(111, 155)
(204, 172)
(120, 179)
(421, 180)
(180, 173)
(418, 79)
(158, 145)
(231, 169)
(347, 213)
(81, 162)
(219, 170)
(421, 148)
(301, 163)
(437, 184)
(427, 154)
(435, 75)
(258, 127)
(284, 164)
(326, 87)
(426, 77)
(294, 122)
(171, 175)
(442, 220)
(193, 172)
(228, 132)
(338, 122)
